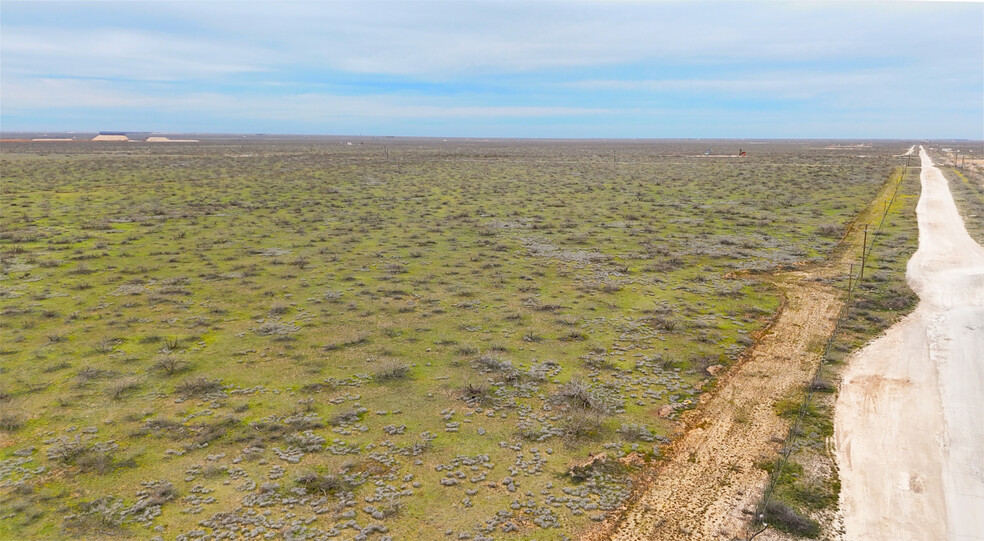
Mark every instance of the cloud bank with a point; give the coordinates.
(475, 68)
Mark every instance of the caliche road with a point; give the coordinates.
(909, 423)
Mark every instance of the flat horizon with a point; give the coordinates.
(20, 134)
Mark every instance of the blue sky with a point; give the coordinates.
(497, 69)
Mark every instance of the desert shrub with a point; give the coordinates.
(574, 336)
(701, 363)
(276, 328)
(608, 285)
(787, 519)
(170, 365)
(476, 394)
(104, 515)
(661, 322)
(10, 422)
(66, 450)
(210, 432)
(54, 367)
(582, 424)
(598, 362)
(666, 265)
(333, 296)
(198, 387)
(392, 370)
(317, 387)
(265, 431)
(88, 374)
(490, 363)
(358, 341)
(595, 466)
(896, 299)
(344, 417)
(118, 388)
(162, 426)
(822, 386)
(830, 230)
(159, 493)
(89, 457)
(326, 485)
(635, 432)
(576, 394)
(106, 345)
(95, 461)
(568, 320)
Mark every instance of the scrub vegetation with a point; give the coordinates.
(963, 167)
(386, 339)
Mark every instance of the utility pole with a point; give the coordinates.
(850, 291)
(864, 256)
(850, 283)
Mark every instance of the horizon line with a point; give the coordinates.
(4, 134)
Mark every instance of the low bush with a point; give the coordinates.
(787, 519)
(198, 387)
(392, 370)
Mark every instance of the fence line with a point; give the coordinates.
(852, 283)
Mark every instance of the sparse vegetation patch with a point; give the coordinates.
(296, 339)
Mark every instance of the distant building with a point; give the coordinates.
(106, 138)
(159, 139)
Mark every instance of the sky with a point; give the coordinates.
(468, 68)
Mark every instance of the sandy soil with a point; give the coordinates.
(909, 422)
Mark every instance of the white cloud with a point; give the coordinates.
(444, 39)
(124, 54)
(771, 84)
(96, 94)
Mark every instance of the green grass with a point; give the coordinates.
(969, 197)
(228, 318)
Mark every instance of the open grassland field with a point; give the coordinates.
(963, 167)
(408, 338)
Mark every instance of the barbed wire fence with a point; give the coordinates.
(817, 382)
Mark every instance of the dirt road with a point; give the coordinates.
(909, 422)
(711, 477)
